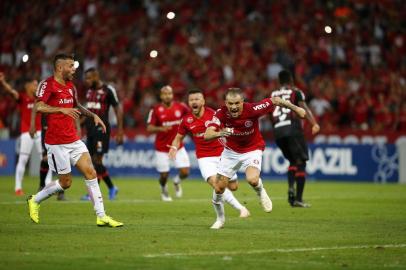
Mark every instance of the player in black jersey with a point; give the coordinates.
(289, 136)
(99, 97)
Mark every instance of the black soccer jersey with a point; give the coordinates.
(284, 121)
(99, 101)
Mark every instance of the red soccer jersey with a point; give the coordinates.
(246, 136)
(197, 127)
(161, 115)
(61, 128)
(26, 104)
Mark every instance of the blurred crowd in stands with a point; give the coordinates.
(349, 57)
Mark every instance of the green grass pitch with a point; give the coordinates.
(349, 226)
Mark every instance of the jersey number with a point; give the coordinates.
(281, 113)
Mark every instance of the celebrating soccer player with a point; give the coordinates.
(289, 137)
(237, 124)
(26, 102)
(207, 152)
(164, 119)
(100, 97)
(57, 98)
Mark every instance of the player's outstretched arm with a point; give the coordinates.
(155, 129)
(45, 108)
(87, 113)
(173, 148)
(310, 117)
(277, 101)
(212, 134)
(8, 87)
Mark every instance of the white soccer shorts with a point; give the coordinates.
(231, 162)
(26, 143)
(62, 156)
(163, 162)
(209, 166)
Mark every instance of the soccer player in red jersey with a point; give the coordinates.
(25, 102)
(237, 124)
(57, 98)
(207, 152)
(164, 119)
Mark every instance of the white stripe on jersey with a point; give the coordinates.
(113, 90)
(150, 116)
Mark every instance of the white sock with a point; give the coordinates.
(218, 206)
(20, 169)
(94, 192)
(48, 191)
(230, 199)
(48, 178)
(259, 187)
(164, 189)
(176, 180)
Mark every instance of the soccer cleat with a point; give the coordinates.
(107, 221)
(19, 192)
(165, 197)
(244, 213)
(60, 196)
(291, 196)
(301, 204)
(178, 190)
(33, 209)
(85, 197)
(113, 193)
(265, 201)
(217, 225)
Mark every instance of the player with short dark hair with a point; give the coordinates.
(164, 119)
(289, 136)
(57, 98)
(99, 97)
(25, 101)
(237, 125)
(207, 152)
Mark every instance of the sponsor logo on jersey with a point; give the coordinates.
(177, 113)
(248, 123)
(261, 106)
(65, 101)
(93, 105)
(189, 120)
(171, 123)
(160, 109)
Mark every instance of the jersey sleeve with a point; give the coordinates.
(152, 119)
(44, 91)
(182, 129)
(261, 108)
(217, 119)
(112, 96)
(300, 96)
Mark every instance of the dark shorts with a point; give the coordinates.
(44, 149)
(98, 142)
(294, 148)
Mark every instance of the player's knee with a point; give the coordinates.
(183, 173)
(65, 181)
(163, 176)
(233, 186)
(253, 180)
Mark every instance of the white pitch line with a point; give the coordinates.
(274, 250)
